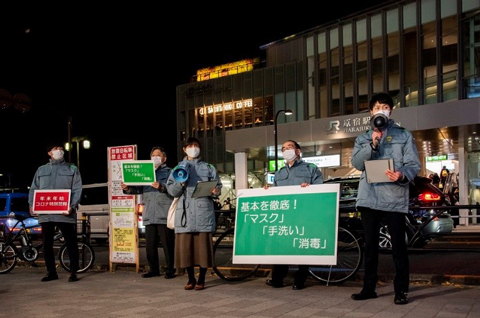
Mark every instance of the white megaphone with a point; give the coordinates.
(180, 173)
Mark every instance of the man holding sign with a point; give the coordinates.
(57, 175)
(157, 201)
(295, 172)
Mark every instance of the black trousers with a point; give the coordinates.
(279, 272)
(396, 226)
(69, 232)
(155, 233)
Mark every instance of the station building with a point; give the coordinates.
(424, 53)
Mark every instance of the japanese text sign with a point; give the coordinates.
(287, 225)
(51, 201)
(138, 172)
(122, 153)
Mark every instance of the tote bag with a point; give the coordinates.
(171, 214)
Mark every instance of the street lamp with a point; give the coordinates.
(287, 112)
(85, 144)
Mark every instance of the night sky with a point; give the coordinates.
(125, 61)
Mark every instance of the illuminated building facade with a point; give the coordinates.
(424, 53)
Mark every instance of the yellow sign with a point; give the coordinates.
(226, 69)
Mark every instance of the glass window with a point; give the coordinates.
(448, 8)
(333, 38)
(268, 108)
(334, 72)
(449, 58)
(410, 55)
(3, 204)
(409, 15)
(322, 85)
(348, 70)
(228, 109)
(393, 67)
(258, 111)
(376, 25)
(361, 30)
(392, 21)
(310, 51)
(428, 11)
(238, 114)
(377, 53)
(471, 58)
(468, 5)
(347, 34)
(429, 59)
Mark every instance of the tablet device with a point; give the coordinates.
(375, 170)
(204, 188)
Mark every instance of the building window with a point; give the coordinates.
(410, 70)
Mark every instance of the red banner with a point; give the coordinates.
(51, 201)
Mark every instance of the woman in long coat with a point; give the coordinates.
(194, 217)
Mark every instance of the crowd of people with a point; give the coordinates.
(190, 243)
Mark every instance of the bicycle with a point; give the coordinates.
(349, 259)
(10, 254)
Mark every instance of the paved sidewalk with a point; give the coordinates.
(126, 294)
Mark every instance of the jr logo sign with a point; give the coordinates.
(334, 127)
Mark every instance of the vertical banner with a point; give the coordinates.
(123, 218)
(288, 225)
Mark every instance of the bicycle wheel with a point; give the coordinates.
(223, 254)
(349, 259)
(8, 257)
(86, 257)
(385, 242)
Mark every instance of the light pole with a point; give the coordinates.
(287, 112)
(85, 144)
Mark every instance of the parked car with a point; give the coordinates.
(423, 194)
(17, 203)
(94, 203)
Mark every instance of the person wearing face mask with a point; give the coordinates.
(385, 200)
(157, 201)
(295, 172)
(58, 174)
(194, 217)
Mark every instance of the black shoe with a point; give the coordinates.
(150, 274)
(168, 276)
(364, 295)
(270, 282)
(49, 277)
(298, 286)
(401, 298)
(73, 278)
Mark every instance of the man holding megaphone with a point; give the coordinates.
(194, 216)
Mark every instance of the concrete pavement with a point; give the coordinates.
(125, 293)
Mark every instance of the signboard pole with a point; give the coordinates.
(123, 214)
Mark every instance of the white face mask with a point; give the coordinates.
(193, 152)
(57, 154)
(383, 111)
(289, 154)
(157, 160)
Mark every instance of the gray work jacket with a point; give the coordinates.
(199, 214)
(300, 172)
(396, 143)
(58, 174)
